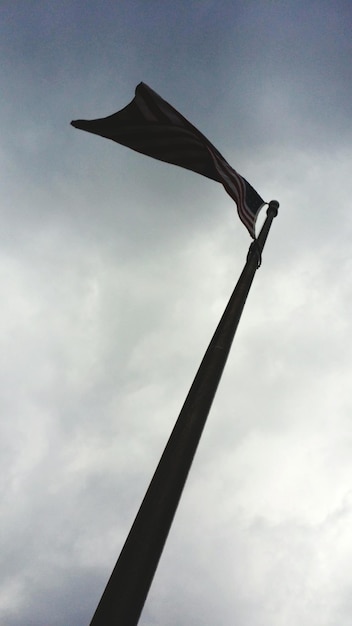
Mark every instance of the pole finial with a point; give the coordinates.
(273, 208)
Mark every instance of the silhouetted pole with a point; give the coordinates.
(125, 594)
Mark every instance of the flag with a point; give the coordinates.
(150, 125)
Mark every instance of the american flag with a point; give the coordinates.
(150, 125)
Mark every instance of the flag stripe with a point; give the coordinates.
(235, 186)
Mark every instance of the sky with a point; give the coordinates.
(115, 269)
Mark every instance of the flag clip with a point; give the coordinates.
(254, 249)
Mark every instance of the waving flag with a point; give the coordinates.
(153, 127)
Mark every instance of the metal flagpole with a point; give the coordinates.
(123, 599)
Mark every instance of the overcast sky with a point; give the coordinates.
(114, 271)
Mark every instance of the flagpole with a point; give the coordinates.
(123, 599)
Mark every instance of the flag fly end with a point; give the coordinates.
(81, 124)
